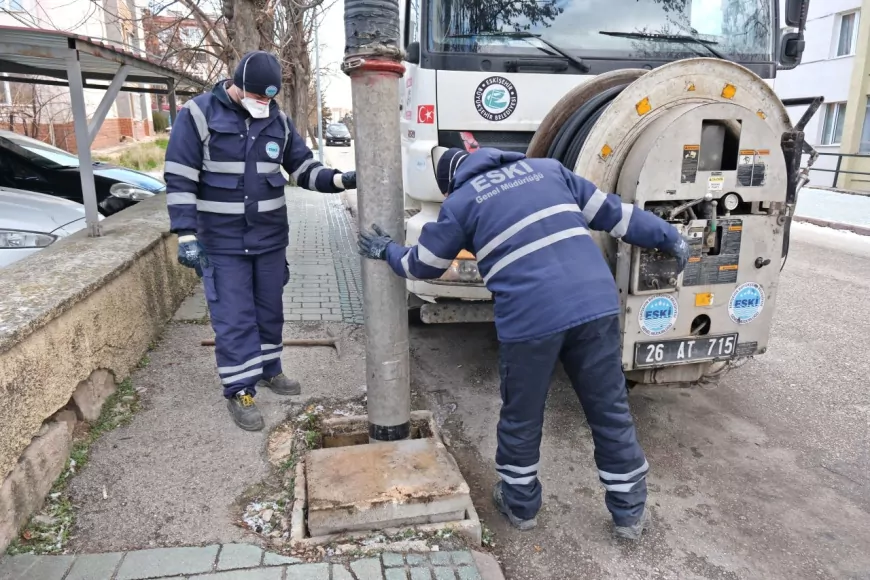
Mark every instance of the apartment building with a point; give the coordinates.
(835, 66)
(44, 112)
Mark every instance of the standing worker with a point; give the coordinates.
(225, 193)
(527, 221)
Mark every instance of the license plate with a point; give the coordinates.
(699, 348)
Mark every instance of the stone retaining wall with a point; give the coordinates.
(75, 319)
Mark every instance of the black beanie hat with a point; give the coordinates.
(262, 75)
(447, 166)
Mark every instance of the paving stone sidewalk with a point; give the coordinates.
(246, 562)
(325, 281)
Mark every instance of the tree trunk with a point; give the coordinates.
(249, 27)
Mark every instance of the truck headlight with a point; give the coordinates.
(131, 192)
(17, 239)
(463, 270)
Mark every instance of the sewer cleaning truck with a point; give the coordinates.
(666, 103)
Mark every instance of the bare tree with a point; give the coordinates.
(35, 110)
(746, 30)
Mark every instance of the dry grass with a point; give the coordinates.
(142, 156)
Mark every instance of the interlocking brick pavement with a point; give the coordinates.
(325, 281)
(324, 268)
(246, 562)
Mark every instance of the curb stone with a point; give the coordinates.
(860, 230)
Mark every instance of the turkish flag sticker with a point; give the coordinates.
(426, 114)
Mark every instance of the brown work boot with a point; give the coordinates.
(280, 385)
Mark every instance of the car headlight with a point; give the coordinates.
(463, 270)
(18, 239)
(131, 192)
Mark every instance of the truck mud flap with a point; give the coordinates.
(457, 312)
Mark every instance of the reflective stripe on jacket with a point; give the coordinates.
(223, 174)
(527, 221)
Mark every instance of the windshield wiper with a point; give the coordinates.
(577, 62)
(677, 38)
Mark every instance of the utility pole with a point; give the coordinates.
(320, 144)
(373, 60)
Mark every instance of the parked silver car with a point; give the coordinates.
(31, 221)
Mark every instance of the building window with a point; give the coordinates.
(864, 147)
(847, 36)
(12, 5)
(835, 116)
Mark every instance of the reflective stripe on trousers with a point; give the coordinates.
(590, 354)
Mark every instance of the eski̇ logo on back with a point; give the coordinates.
(658, 314)
(746, 303)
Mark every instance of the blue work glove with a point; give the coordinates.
(374, 245)
(678, 249)
(348, 180)
(191, 254)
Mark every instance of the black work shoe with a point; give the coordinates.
(498, 499)
(245, 412)
(635, 531)
(280, 385)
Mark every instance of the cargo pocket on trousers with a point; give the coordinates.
(208, 284)
(286, 272)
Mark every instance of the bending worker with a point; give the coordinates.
(527, 221)
(225, 193)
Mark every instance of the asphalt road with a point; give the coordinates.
(763, 477)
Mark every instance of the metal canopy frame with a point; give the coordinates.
(77, 62)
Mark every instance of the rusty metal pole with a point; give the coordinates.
(373, 60)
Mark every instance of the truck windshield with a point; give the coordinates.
(741, 30)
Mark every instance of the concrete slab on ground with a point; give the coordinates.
(383, 485)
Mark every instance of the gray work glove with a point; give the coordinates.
(373, 245)
(678, 249)
(348, 180)
(191, 254)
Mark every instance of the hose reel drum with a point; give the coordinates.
(699, 143)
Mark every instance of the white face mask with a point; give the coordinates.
(257, 108)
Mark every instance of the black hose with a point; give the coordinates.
(786, 241)
(371, 26)
(572, 135)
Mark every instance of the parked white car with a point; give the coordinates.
(31, 221)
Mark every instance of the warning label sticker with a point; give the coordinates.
(752, 167)
(690, 163)
(716, 182)
(708, 268)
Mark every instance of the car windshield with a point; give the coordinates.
(338, 129)
(742, 30)
(42, 154)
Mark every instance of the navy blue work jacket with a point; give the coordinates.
(527, 221)
(223, 174)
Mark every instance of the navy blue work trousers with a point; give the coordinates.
(245, 302)
(590, 354)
